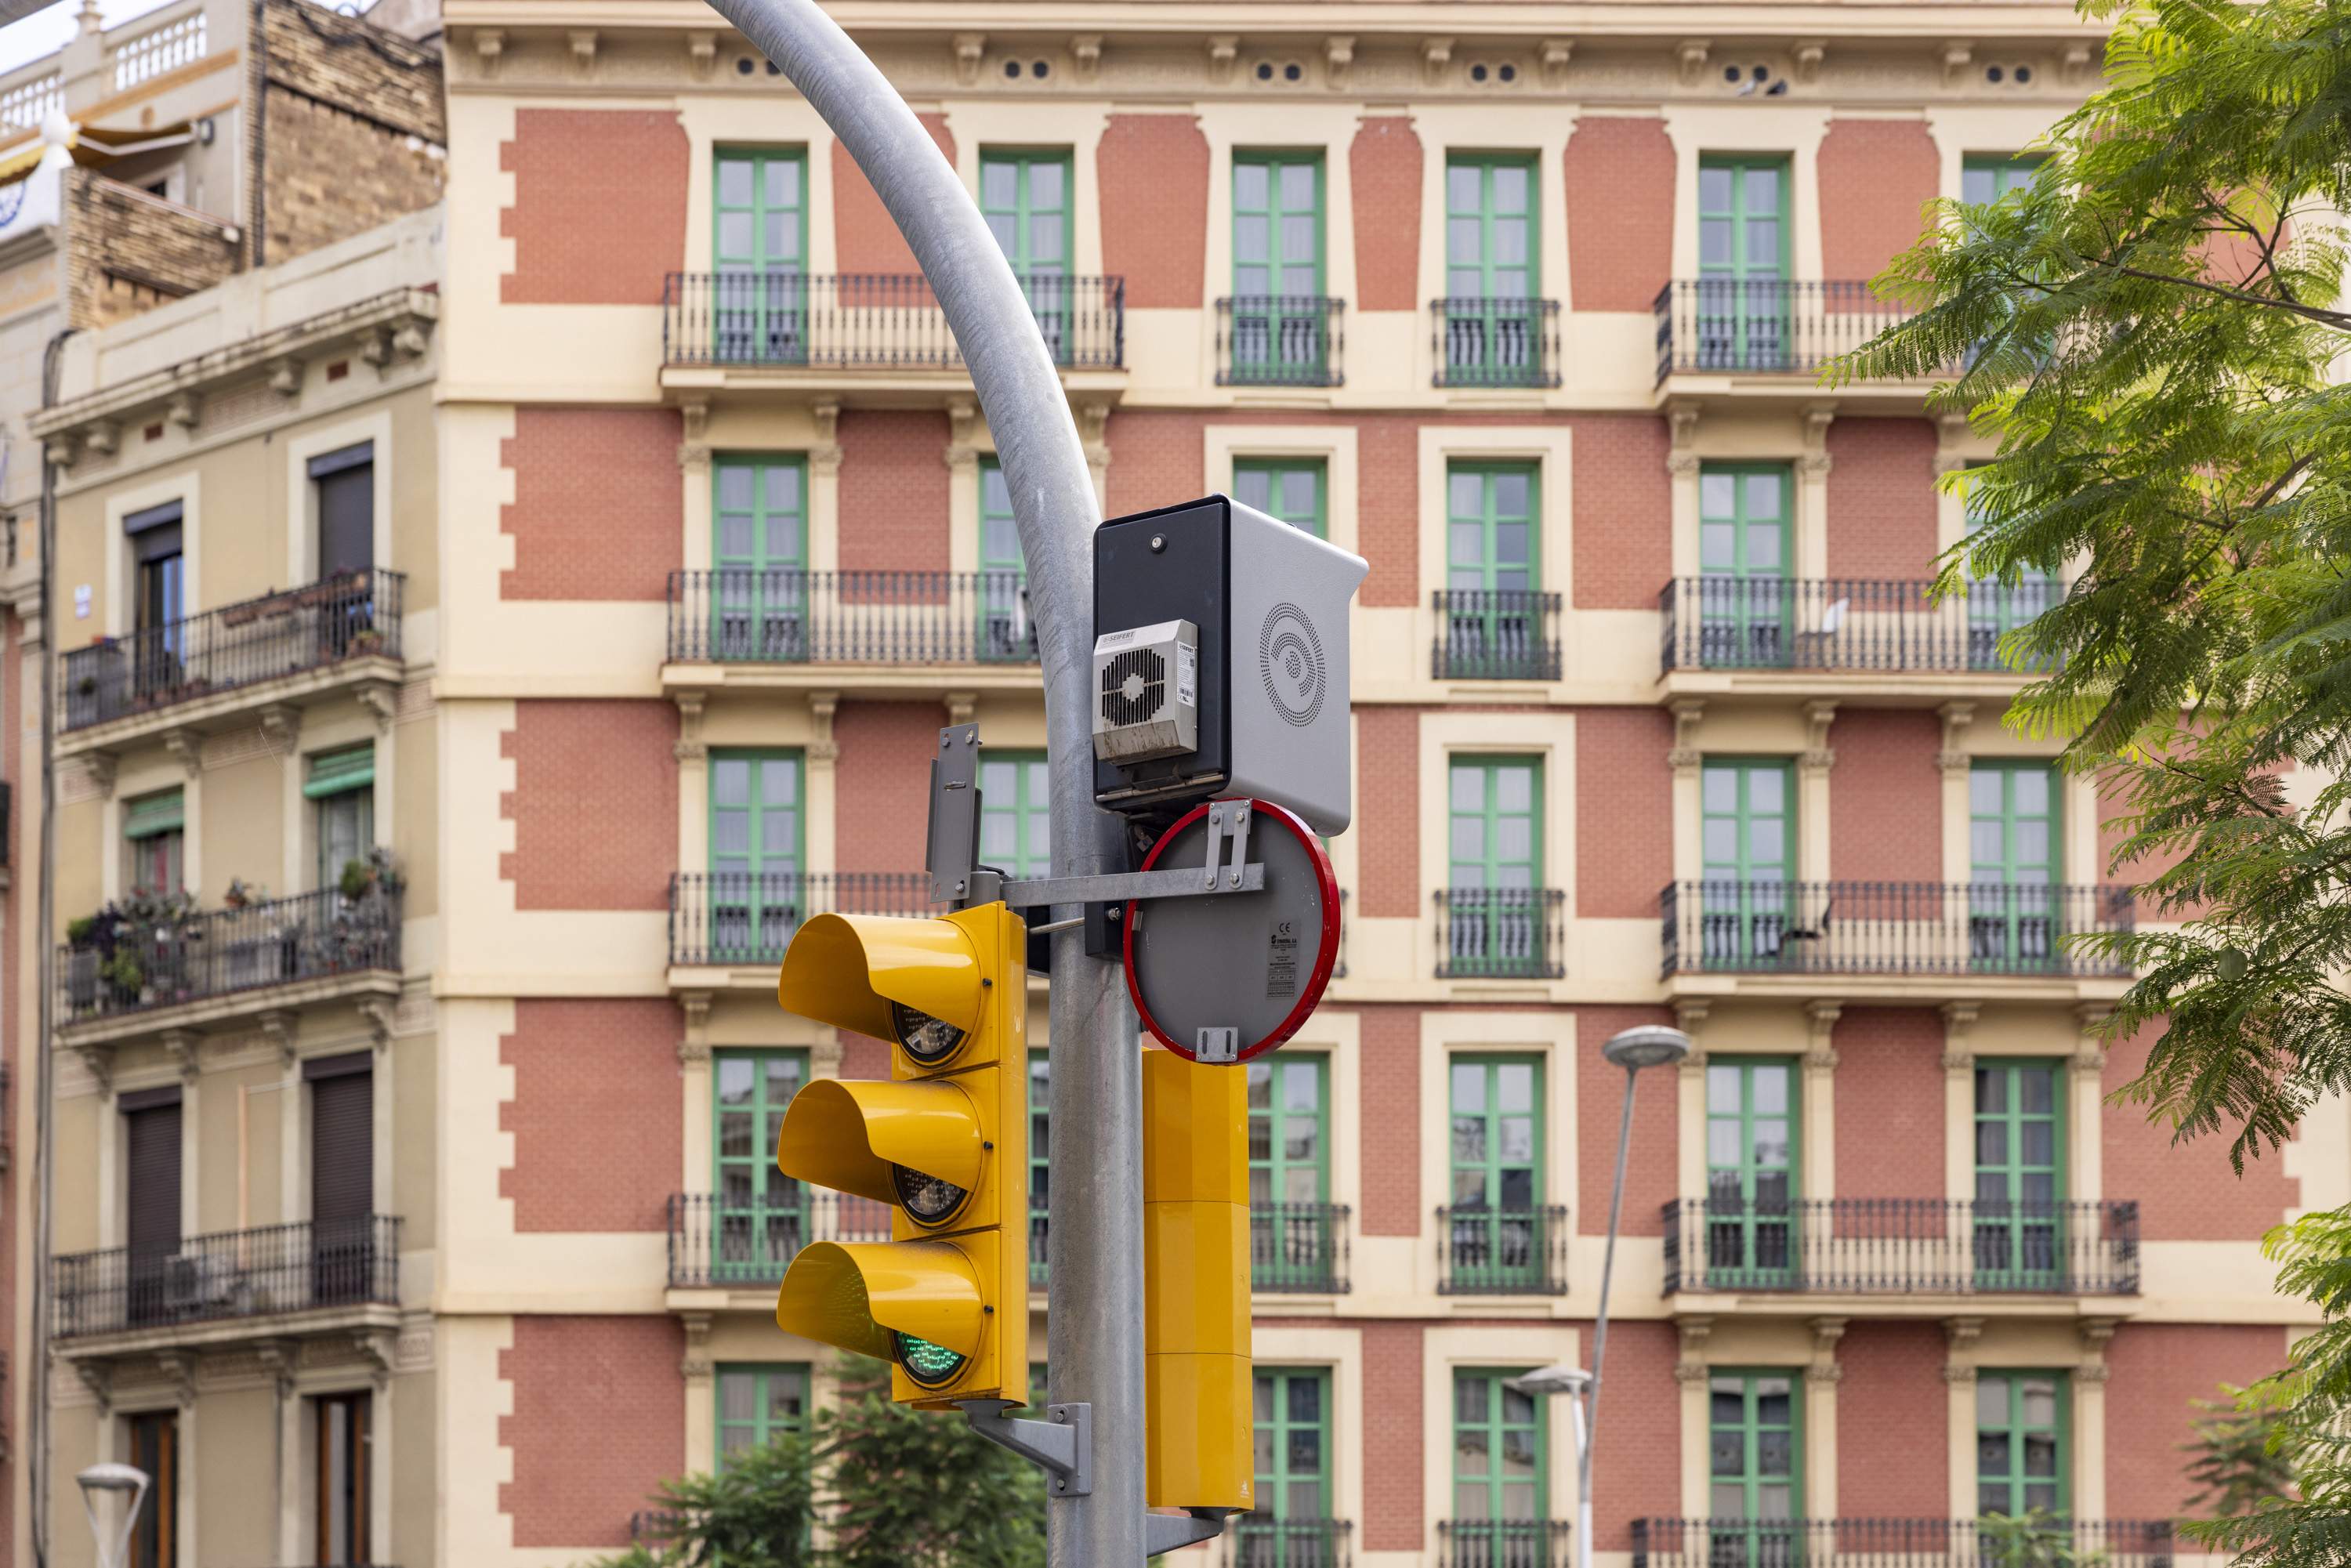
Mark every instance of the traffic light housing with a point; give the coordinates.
(942, 1142)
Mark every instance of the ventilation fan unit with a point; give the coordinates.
(1146, 692)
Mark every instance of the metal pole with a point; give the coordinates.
(1590, 1422)
(1094, 1330)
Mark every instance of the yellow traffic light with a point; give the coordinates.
(943, 1141)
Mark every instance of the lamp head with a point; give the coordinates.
(1651, 1045)
(111, 1477)
(1560, 1379)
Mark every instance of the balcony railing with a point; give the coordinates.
(1902, 1247)
(718, 1240)
(1503, 1542)
(1484, 343)
(1298, 1247)
(1258, 1540)
(232, 1274)
(869, 321)
(352, 616)
(1842, 624)
(1280, 342)
(1501, 1251)
(1887, 927)
(1499, 932)
(782, 616)
(1765, 325)
(1897, 1544)
(1495, 634)
(748, 918)
(130, 964)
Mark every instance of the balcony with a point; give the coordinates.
(772, 625)
(719, 1242)
(1495, 343)
(1897, 1544)
(745, 919)
(873, 323)
(1784, 636)
(1287, 341)
(1503, 1542)
(1729, 328)
(155, 964)
(1495, 634)
(339, 634)
(1501, 933)
(1260, 1540)
(1982, 929)
(1298, 1249)
(1901, 1247)
(1501, 1251)
(327, 1274)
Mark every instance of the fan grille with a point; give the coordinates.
(1117, 707)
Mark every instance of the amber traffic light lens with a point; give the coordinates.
(930, 1200)
(927, 1039)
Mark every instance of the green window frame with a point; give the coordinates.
(1028, 198)
(1293, 1238)
(1291, 1417)
(1502, 1472)
(1743, 238)
(1747, 839)
(759, 249)
(1041, 1148)
(2023, 1443)
(758, 553)
(1498, 1231)
(2014, 834)
(341, 792)
(758, 826)
(1006, 634)
(1494, 900)
(1493, 571)
(759, 1217)
(1997, 608)
(1745, 532)
(1985, 178)
(1753, 1143)
(1493, 322)
(758, 1402)
(1295, 490)
(1755, 1463)
(2022, 1221)
(1278, 331)
(1016, 817)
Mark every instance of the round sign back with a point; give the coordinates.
(1231, 976)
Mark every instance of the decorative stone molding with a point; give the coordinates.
(1953, 757)
(279, 1358)
(183, 1046)
(1821, 1018)
(1960, 1336)
(697, 1361)
(1817, 757)
(1949, 428)
(99, 1065)
(1690, 57)
(694, 418)
(101, 436)
(821, 746)
(187, 749)
(97, 1377)
(61, 450)
(690, 746)
(377, 1016)
(178, 1368)
(489, 47)
(1958, 57)
(1685, 754)
(286, 376)
(1954, 1373)
(1808, 53)
(1556, 54)
(1436, 60)
(1825, 1367)
(702, 53)
(1093, 431)
(962, 707)
(963, 425)
(824, 457)
(695, 1045)
(2077, 63)
(970, 47)
(377, 1349)
(1085, 56)
(583, 50)
(1817, 417)
(1958, 1018)
(1224, 52)
(276, 1027)
(1681, 424)
(281, 726)
(1690, 1366)
(100, 767)
(382, 701)
(1338, 61)
(2095, 1334)
(184, 411)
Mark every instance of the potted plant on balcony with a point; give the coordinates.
(81, 963)
(362, 917)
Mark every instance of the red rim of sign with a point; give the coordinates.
(1325, 959)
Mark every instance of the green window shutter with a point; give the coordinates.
(1016, 819)
(1755, 1464)
(758, 893)
(1499, 1472)
(1495, 873)
(333, 772)
(1041, 1083)
(758, 548)
(1745, 603)
(759, 250)
(760, 1216)
(1292, 1415)
(1751, 1142)
(1746, 835)
(1277, 326)
(2013, 909)
(2023, 1443)
(2022, 1223)
(1497, 1234)
(166, 811)
(1291, 1240)
(1491, 232)
(1492, 571)
(1985, 180)
(1005, 633)
(1742, 262)
(758, 1402)
(1295, 490)
(1025, 199)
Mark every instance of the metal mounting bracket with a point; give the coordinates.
(1062, 1444)
(1169, 1532)
(1119, 887)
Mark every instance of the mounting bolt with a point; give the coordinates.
(1111, 912)
(1158, 543)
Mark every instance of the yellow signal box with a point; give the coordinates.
(1195, 1282)
(944, 1142)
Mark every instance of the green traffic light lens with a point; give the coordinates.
(927, 1039)
(930, 1366)
(929, 1199)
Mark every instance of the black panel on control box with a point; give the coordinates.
(1183, 580)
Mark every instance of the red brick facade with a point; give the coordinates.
(1889, 1408)
(1623, 843)
(1387, 810)
(1388, 510)
(1599, 1114)
(2185, 1191)
(1383, 167)
(594, 804)
(1876, 177)
(598, 512)
(576, 1479)
(1889, 1103)
(1885, 795)
(1393, 1387)
(1154, 171)
(1624, 511)
(575, 168)
(1881, 523)
(882, 783)
(864, 237)
(2155, 1372)
(894, 490)
(587, 1155)
(1636, 1471)
(1391, 1068)
(1620, 213)
(1155, 460)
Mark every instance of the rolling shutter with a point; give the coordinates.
(154, 1173)
(343, 1140)
(346, 482)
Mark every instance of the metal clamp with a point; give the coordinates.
(1169, 1532)
(1228, 822)
(1062, 1444)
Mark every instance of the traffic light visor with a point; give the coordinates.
(856, 1294)
(847, 969)
(847, 1134)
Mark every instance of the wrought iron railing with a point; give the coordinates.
(1280, 342)
(1496, 635)
(1899, 1544)
(129, 963)
(1298, 1247)
(1501, 1251)
(1765, 325)
(869, 321)
(1501, 933)
(782, 616)
(1496, 342)
(714, 1240)
(354, 616)
(748, 918)
(230, 1274)
(1902, 1247)
(1843, 623)
(1260, 1540)
(1503, 1542)
(1887, 927)
(1339, 964)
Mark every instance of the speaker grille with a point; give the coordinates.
(1119, 709)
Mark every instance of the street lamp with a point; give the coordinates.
(112, 1478)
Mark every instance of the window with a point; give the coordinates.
(1025, 197)
(157, 610)
(1499, 1472)
(759, 251)
(155, 1449)
(1277, 324)
(1016, 819)
(2012, 902)
(1744, 599)
(758, 1403)
(760, 553)
(1041, 1194)
(341, 792)
(1742, 263)
(2021, 1464)
(1004, 633)
(1498, 1239)
(1494, 882)
(1493, 324)
(342, 1436)
(343, 484)
(1292, 1415)
(2020, 1220)
(1755, 1466)
(1985, 180)
(1748, 836)
(1751, 1167)
(1995, 608)
(1493, 619)
(756, 893)
(1292, 488)
(761, 1214)
(343, 1254)
(154, 832)
(151, 1125)
(1291, 1227)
